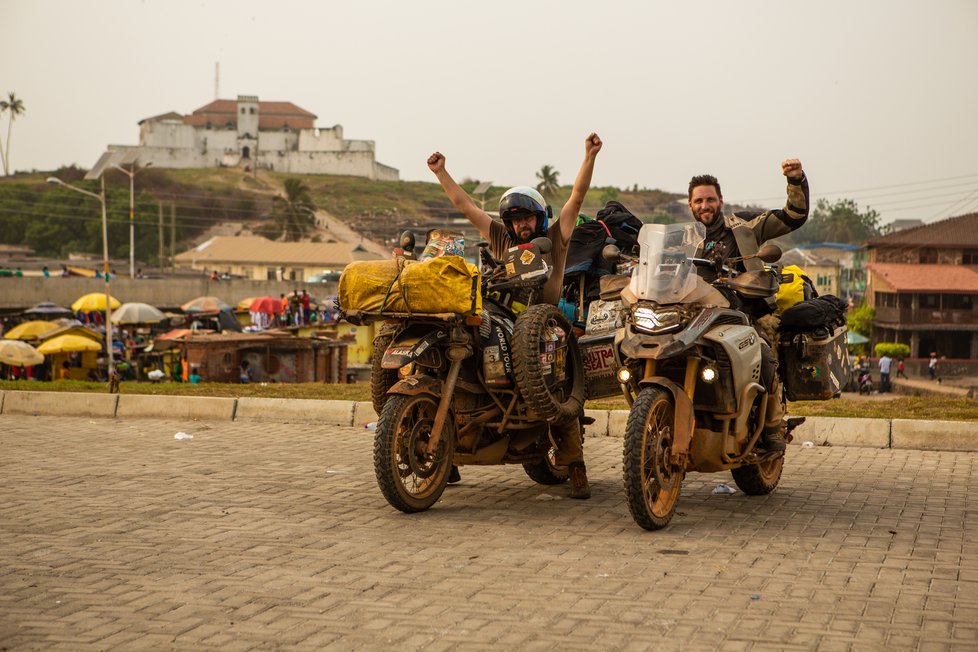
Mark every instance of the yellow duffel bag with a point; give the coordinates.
(446, 284)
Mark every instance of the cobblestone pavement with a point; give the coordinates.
(115, 535)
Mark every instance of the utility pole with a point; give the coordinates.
(173, 233)
(160, 236)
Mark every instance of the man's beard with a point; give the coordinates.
(707, 217)
(523, 234)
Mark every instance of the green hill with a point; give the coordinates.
(188, 204)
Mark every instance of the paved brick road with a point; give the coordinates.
(115, 535)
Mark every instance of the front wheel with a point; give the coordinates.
(411, 479)
(652, 483)
(759, 479)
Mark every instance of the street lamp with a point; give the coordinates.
(105, 260)
(131, 173)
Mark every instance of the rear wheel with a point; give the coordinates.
(381, 379)
(759, 479)
(411, 479)
(652, 483)
(547, 364)
(546, 471)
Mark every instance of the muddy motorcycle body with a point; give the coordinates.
(476, 389)
(691, 370)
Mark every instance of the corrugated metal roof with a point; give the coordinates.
(960, 231)
(905, 277)
(250, 250)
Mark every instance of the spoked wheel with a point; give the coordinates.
(411, 479)
(547, 471)
(759, 479)
(652, 484)
(381, 379)
(547, 363)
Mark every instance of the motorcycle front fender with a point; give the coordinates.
(683, 421)
(420, 384)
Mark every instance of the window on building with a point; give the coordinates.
(927, 256)
(969, 257)
(270, 274)
(958, 301)
(930, 301)
(251, 110)
(242, 110)
(245, 152)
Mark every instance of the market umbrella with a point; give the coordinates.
(29, 330)
(269, 305)
(47, 309)
(17, 353)
(137, 313)
(94, 302)
(245, 304)
(69, 343)
(855, 338)
(204, 305)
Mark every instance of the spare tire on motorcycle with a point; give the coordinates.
(547, 364)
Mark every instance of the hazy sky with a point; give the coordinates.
(879, 99)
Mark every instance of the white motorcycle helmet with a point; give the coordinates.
(523, 200)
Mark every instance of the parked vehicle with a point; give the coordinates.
(690, 363)
(482, 388)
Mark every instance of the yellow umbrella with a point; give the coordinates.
(244, 304)
(69, 343)
(94, 302)
(16, 353)
(29, 330)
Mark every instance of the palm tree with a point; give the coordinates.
(295, 213)
(548, 181)
(16, 107)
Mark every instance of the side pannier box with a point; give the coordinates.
(814, 365)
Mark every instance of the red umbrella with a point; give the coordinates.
(205, 305)
(269, 305)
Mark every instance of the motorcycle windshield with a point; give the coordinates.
(664, 273)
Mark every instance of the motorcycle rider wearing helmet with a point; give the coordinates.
(742, 237)
(526, 215)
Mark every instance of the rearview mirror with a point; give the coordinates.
(610, 253)
(769, 253)
(543, 244)
(407, 241)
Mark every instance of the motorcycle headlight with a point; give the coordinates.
(653, 321)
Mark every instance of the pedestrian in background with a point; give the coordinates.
(932, 366)
(885, 363)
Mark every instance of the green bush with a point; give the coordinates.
(892, 349)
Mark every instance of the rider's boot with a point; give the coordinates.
(773, 438)
(580, 488)
(454, 476)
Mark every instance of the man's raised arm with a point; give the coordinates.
(461, 200)
(570, 211)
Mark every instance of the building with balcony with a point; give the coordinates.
(923, 284)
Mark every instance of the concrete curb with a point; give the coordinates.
(960, 436)
(338, 413)
(935, 435)
(59, 403)
(187, 407)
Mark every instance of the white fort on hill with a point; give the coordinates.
(246, 132)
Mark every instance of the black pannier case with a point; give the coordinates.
(814, 364)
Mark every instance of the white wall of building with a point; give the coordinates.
(170, 143)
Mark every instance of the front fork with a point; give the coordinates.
(456, 354)
(684, 421)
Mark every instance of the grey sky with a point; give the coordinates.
(879, 99)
